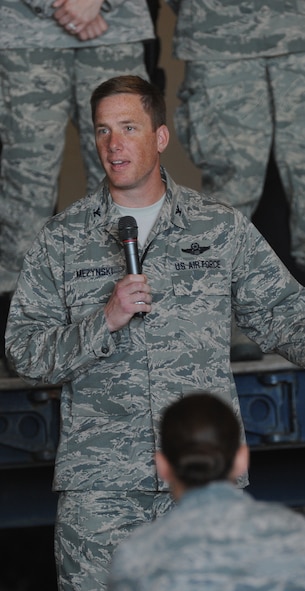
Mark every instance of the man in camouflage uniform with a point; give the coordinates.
(241, 98)
(52, 55)
(242, 94)
(74, 321)
(215, 538)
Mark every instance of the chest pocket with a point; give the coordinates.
(208, 281)
(90, 291)
(203, 304)
(90, 286)
(80, 310)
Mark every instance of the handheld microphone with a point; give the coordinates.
(128, 234)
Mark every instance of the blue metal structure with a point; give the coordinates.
(272, 398)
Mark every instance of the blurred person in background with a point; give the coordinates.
(241, 117)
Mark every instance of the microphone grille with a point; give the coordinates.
(128, 228)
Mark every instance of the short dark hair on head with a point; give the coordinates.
(200, 436)
(151, 96)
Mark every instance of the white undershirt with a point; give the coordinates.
(144, 216)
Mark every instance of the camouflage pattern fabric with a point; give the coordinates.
(42, 90)
(201, 259)
(229, 116)
(243, 91)
(88, 528)
(47, 77)
(216, 538)
(233, 29)
(30, 23)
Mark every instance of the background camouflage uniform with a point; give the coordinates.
(216, 538)
(201, 259)
(243, 92)
(47, 77)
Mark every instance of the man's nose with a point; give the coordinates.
(115, 142)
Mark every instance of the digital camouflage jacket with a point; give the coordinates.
(201, 258)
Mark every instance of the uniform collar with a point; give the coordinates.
(214, 492)
(104, 214)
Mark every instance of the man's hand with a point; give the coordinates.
(96, 28)
(76, 15)
(131, 294)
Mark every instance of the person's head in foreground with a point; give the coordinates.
(200, 443)
(216, 537)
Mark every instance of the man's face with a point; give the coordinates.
(126, 143)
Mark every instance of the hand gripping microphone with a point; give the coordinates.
(128, 234)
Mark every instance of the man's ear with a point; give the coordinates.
(241, 462)
(163, 468)
(162, 138)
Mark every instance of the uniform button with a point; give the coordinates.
(105, 350)
(38, 10)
